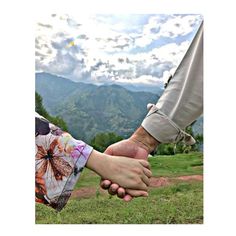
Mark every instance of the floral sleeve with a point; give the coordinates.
(59, 160)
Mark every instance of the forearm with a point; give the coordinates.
(98, 162)
(182, 100)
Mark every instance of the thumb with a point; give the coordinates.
(136, 193)
(109, 150)
(130, 193)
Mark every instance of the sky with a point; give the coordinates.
(137, 49)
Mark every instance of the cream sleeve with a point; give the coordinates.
(182, 100)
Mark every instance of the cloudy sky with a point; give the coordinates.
(135, 49)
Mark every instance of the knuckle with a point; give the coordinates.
(138, 171)
(139, 181)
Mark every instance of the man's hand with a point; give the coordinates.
(138, 146)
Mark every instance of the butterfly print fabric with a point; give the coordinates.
(59, 160)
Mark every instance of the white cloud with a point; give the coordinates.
(143, 79)
(143, 41)
(171, 52)
(179, 26)
(170, 27)
(101, 49)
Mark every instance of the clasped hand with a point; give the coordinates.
(127, 148)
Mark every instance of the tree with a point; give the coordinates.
(102, 140)
(171, 149)
(166, 149)
(40, 109)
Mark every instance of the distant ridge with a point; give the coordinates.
(89, 109)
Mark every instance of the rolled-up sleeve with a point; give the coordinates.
(182, 100)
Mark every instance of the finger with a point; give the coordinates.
(120, 192)
(127, 198)
(105, 184)
(141, 185)
(136, 193)
(113, 189)
(145, 179)
(147, 172)
(144, 163)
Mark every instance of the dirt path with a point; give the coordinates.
(155, 182)
(164, 181)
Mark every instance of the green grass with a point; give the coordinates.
(171, 166)
(180, 203)
(88, 179)
(177, 165)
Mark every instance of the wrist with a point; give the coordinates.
(144, 139)
(97, 162)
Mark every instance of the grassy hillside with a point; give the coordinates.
(179, 202)
(90, 109)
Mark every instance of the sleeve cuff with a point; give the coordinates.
(164, 129)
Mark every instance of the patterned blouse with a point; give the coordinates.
(59, 160)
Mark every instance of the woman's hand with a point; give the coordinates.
(126, 172)
(138, 146)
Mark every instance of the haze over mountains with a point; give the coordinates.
(89, 109)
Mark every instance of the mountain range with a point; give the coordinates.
(89, 109)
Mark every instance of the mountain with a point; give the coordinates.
(198, 126)
(89, 109)
(155, 89)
